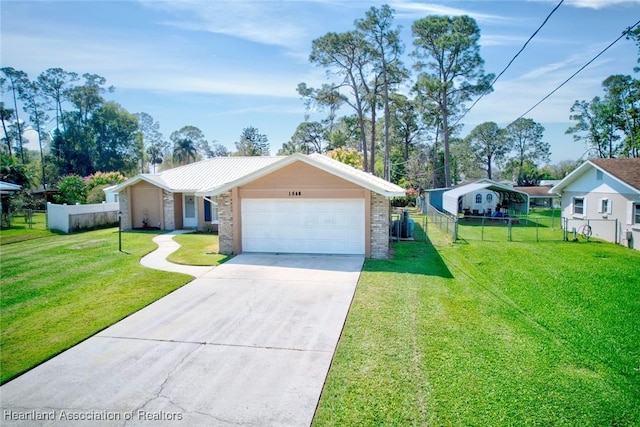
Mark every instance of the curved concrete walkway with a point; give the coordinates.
(166, 246)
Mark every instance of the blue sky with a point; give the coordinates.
(225, 65)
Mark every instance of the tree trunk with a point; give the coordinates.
(6, 135)
(387, 150)
(15, 105)
(363, 136)
(372, 161)
(445, 135)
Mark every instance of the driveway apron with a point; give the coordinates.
(247, 343)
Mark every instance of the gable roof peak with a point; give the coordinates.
(626, 170)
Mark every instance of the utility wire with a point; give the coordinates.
(510, 62)
(624, 33)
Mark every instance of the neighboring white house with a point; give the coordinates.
(110, 194)
(604, 195)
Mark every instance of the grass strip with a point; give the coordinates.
(197, 249)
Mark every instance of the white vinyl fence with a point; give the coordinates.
(70, 218)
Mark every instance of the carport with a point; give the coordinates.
(516, 201)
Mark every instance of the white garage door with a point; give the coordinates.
(313, 226)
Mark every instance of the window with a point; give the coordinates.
(636, 213)
(478, 198)
(211, 210)
(489, 198)
(578, 206)
(605, 206)
(599, 175)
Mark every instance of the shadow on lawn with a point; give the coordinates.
(413, 257)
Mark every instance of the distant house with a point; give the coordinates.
(604, 196)
(482, 197)
(292, 204)
(539, 196)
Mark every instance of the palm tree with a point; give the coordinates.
(184, 150)
(155, 155)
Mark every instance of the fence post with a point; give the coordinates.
(455, 231)
(426, 227)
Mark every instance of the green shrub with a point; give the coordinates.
(96, 195)
(104, 179)
(72, 190)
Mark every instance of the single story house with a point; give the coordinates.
(482, 197)
(540, 195)
(604, 194)
(293, 204)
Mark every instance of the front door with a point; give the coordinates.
(190, 217)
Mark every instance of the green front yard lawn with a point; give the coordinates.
(490, 334)
(57, 290)
(197, 249)
(22, 229)
(481, 333)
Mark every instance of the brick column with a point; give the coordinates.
(379, 226)
(123, 198)
(168, 208)
(225, 223)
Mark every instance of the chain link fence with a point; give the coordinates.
(537, 226)
(446, 223)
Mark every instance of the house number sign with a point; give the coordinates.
(295, 193)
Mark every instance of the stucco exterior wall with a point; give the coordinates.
(379, 226)
(146, 201)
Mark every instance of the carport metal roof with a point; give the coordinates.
(450, 198)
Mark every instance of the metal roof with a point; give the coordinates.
(201, 175)
(8, 188)
(214, 176)
(334, 167)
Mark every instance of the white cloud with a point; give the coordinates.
(599, 4)
(260, 22)
(414, 9)
(142, 65)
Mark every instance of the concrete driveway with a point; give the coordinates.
(248, 343)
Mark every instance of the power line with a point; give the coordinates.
(624, 33)
(510, 62)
